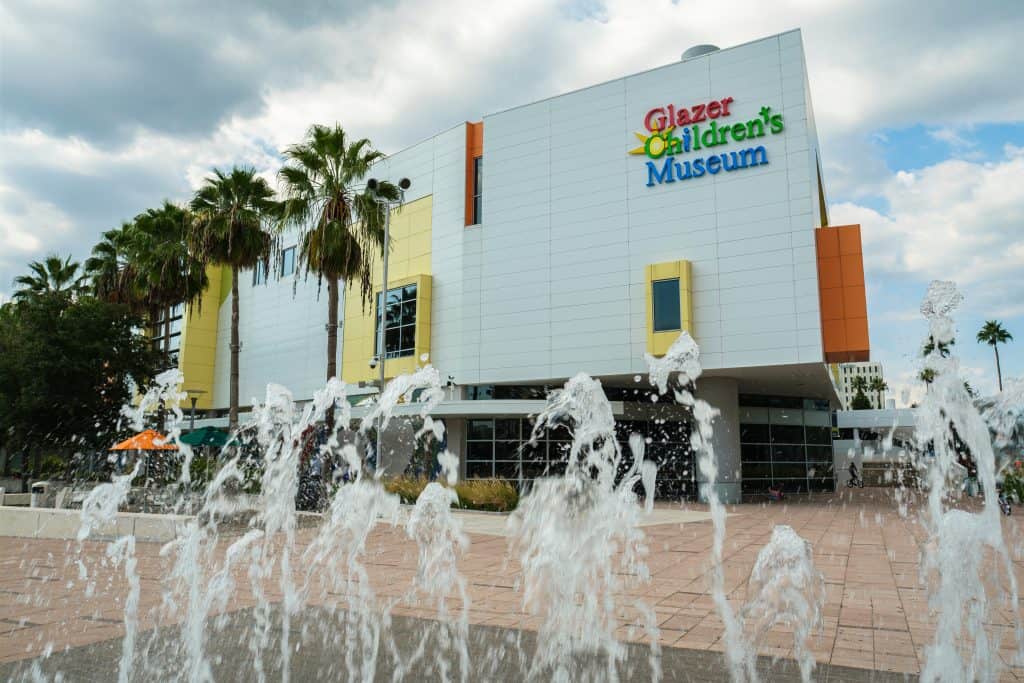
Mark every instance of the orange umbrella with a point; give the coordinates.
(149, 440)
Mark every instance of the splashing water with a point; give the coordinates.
(357, 618)
(965, 562)
(569, 532)
(578, 539)
(683, 359)
(785, 589)
(440, 543)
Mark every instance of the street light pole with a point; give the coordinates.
(381, 353)
(372, 185)
(193, 396)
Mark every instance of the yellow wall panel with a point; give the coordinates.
(658, 343)
(198, 352)
(408, 262)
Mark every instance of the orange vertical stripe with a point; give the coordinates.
(841, 293)
(474, 149)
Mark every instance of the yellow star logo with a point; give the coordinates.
(655, 144)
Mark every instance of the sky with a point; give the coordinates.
(106, 111)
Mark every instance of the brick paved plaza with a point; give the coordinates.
(876, 616)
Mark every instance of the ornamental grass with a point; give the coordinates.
(493, 495)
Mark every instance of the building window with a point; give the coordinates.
(400, 325)
(166, 332)
(787, 442)
(666, 305)
(502, 448)
(287, 261)
(259, 274)
(478, 179)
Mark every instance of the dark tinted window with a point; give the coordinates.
(666, 305)
(787, 434)
(788, 453)
(819, 435)
(478, 189)
(755, 453)
(819, 453)
(479, 430)
(479, 470)
(751, 433)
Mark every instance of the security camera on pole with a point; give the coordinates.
(372, 184)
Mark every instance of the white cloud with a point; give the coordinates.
(27, 228)
(956, 220)
(167, 93)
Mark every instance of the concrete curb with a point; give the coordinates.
(52, 523)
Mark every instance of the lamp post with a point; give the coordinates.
(193, 396)
(372, 185)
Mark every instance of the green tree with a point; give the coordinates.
(230, 212)
(167, 271)
(943, 348)
(341, 224)
(111, 270)
(51, 276)
(67, 365)
(878, 386)
(993, 333)
(931, 346)
(860, 399)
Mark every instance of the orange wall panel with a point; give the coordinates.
(828, 243)
(849, 239)
(474, 149)
(854, 303)
(857, 335)
(852, 270)
(842, 295)
(829, 272)
(834, 334)
(832, 304)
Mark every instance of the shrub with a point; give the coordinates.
(495, 495)
(52, 467)
(1013, 482)
(408, 489)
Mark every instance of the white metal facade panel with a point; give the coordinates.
(552, 281)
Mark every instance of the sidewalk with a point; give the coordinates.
(876, 614)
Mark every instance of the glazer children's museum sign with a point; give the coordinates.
(673, 131)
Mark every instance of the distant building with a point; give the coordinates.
(844, 374)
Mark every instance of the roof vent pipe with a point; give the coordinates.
(698, 50)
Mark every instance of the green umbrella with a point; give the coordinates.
(206, 436)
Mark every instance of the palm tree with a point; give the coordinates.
(942, 347)
(167, 271)
(228, 229)
(993, 333)
(111, 270)
(860, 400)
(341, 224)
(50, 276)
(878, 385)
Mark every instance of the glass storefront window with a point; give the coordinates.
(505, 443)
(787, 442)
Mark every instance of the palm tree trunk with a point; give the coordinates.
(233, 390)
(999, 371)
(332, 339)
